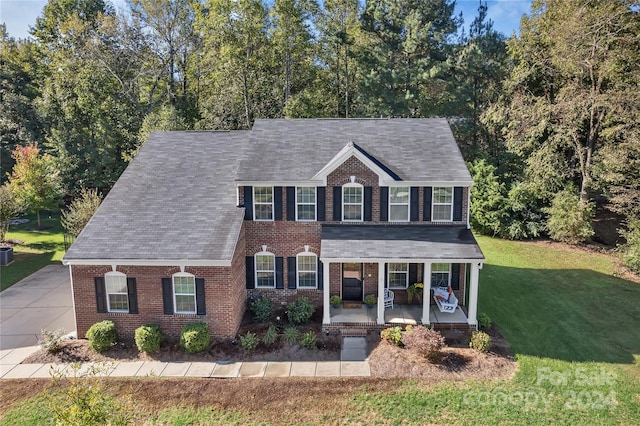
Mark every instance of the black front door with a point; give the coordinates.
(352, 281)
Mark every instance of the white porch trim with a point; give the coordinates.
(326, 290)
(380, 318)
(472, 309)
(426, 293)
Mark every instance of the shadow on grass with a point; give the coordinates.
(570, 314)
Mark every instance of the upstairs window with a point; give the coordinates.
(398, 275)
(442, 204)
(306, 203)
(184, 293)
(440, 274)
(399, 204)
(265, 270)
(352, 202)
(263, 203)
(307, 271)
(116, 289)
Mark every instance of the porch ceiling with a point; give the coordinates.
(408, 242)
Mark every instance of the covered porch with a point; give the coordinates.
(377, 246)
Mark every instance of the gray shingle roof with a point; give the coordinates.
(176, 200)
(296, 149)
(417, 242)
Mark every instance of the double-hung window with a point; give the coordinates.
(440, 274)
(265, 270)
(184, 293)
(352, 202)
(399, 204)
(263, 202)
(307, 271)
(306, 203)
(398, 275)
(116, 289)
(442, 204)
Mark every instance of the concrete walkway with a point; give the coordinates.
(10, 368)
(40, 301)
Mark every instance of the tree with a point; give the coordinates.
(80, 211)
(9, 209)
(35, 180)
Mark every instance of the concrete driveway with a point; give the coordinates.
(40, 301)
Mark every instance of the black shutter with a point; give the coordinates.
(200, 299)
(279, 272)
(167, 295)
(132, 292)
(277, 203)
(291, 203)
(426, 212)
(320, 275)
(101, 296)
(321, 194)
(248, 203)
(457, 203)
(337, 203)
(384, 203)
(413, 273)
(291, 272)
(368, 195)
(249, 273)
(455, 276)
(386, 275)
(414, 207)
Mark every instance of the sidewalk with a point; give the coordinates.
(10, 368)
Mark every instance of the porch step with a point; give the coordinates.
(353, 332)
(347, 304)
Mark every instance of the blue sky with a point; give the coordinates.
(18, 15)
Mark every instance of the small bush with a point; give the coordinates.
(249, 341)
(300, 310)
(270, 336)
(102, 335)
(392, 335)
(424, 341)
(480, 341)
(195, 337)
(290, 335)
(51, 341)
(262, 309)
(484, 320)
(370, 299)
(308, 340)
(569, 218)
(335, 301)
(631, 250)
(148, 338)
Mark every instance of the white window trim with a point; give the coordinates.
(433, 204)
(315, 204)
(308, 254)
(389, 272)
(353, 185)
(408, 204)
(263, 204)
(441, 272)
(255, 268)
(106, 290)
(195, 301)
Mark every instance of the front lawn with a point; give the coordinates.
(40, 248)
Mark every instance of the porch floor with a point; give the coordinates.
(400, 314)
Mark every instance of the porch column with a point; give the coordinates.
(426, 293)
(326, 289)
(473, 294)
(380, 319)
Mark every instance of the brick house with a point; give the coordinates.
(200, 221)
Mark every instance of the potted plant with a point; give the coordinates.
(370, 300)
(415, 290)
(335, 301)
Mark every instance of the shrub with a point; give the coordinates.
(80, 211)
(480, 341)
(50, 341)
(148, 338)
(195, 337)
(335, 301)
(270, 336)
(424, 341)
(290, 335)
(392, 335)
(308, 340)
(370, 299)
(569, 218)
(484, 320)
(249, 341)
(300, 310)
(262, 309)
(631, 250)
(102, 335)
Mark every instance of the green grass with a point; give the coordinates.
(40, 248)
